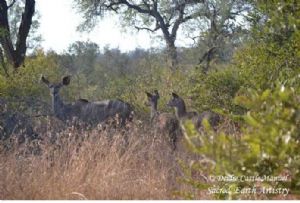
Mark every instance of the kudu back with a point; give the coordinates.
(165, 123)
(85, 111)
(180, 111)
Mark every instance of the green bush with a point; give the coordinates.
(272, 55)
(267, 146)
(132, 88)
(23, 88)
(273, 132)
(215, 90)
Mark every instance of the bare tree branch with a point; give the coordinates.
(135, 7)
(148, 29)
(168, 18)
(12, 3)
(207, 54)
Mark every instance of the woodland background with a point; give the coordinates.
(244, 65)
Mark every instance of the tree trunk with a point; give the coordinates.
(207, 57)
(2, 63)
(172, 56)
(15, 55)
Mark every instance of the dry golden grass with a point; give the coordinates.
(94, 164)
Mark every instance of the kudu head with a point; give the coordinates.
(55, 87)
(177, 103)
(59, 109)
(152, 99)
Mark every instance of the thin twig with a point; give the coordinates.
(8, 7)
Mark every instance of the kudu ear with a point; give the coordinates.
(174, 95)
(66, 80)
(44, 80)
(148, 94)
(156, 93)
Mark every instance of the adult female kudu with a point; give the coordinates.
(85, 111)
(181, 113)
(166, 123)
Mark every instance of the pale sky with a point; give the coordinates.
(58, 29)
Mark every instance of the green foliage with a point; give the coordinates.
(131, 88)
(267, 68)
(268, 145)
(274, 130)
(81, 57)
(276, 21)
(273, 55)
(216, 89)
(262, 66)
(23, 88)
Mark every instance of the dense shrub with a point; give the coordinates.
(215, 90)
(272, 55)
(22, 88)
(267, 146)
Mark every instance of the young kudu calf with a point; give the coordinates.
(181, 113)
(85, 111)
(166, 123)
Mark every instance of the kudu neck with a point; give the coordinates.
(180, 110)
(57, 105)
(154, 111)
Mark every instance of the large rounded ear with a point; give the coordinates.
(148, 94)
(66, 80)
(44, 80)
(174, 95)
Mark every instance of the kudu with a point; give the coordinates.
(85, 111)
(181, 113)
(165, 123)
